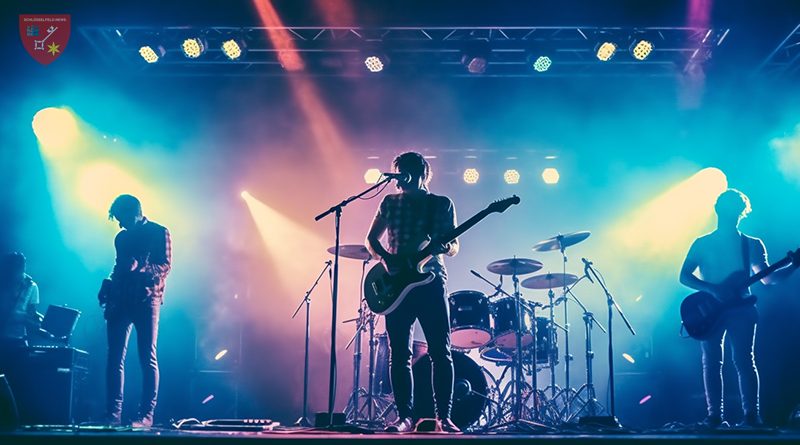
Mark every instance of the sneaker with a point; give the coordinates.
(448, 426)
(712, 423)
(144, 422)
(403, 425)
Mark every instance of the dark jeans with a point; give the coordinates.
(429, 305)
(738, 328)
(144, 317)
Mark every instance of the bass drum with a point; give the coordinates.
(470, 390)
(382, 384)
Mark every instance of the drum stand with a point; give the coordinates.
(376, 407)
(589, 407)
(517, 423)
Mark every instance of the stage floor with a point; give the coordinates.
(166, 436)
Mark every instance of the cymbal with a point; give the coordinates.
(514, 266)
(559, 242)
(354, 251)
(549, 281)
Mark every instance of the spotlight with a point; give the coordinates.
(372, 176)
(151, 54)
(245, 194)
(471, 176)
(628, 357)
(233, 48)
(641, 49)
(511, 176)
(606, 50)
(375, 63)
(194, 47)
(56, 129)
(220, 354)
(476, 57)
(550, 175)
(542, 64)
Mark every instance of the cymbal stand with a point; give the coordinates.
(588, 407)
(303, 421)
(517, 423)
(567, 355)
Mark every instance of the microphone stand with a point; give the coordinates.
(336, 210)
(303, 421)
(612, 420)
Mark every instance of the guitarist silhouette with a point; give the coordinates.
(411, 219)
(719, 264)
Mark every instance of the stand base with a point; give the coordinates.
(600, 421)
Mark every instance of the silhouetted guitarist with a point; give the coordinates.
(715, 257)
(410, 218)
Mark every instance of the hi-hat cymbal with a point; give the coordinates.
(514, 266)
(549, 281)
(354, 251)
(559, 242)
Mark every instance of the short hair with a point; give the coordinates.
(733, 201)
(125, 205)
(414, 164)
(13, 262)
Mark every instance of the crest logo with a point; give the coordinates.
(44, 36)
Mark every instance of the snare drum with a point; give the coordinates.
(470, 320)
(504, 313)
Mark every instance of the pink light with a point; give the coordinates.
(208, 398)
(645, 399)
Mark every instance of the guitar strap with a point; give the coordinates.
(746, 255)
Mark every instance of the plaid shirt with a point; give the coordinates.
(150, 245)
(412, 219)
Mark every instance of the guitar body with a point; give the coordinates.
(701, 313)
(384, 291)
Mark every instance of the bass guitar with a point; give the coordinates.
(384, 290)
(701, 312)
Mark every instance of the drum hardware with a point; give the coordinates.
(516, 422)
(470, 321)
(303, 420)
(610, 420)
(498, 289)
(560, 242)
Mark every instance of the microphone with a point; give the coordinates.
(586, 265)
(400, 177)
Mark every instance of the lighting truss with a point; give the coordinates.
(433, 51)
(785, 59)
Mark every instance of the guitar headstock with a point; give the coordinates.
(502, 205)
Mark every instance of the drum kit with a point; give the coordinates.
(516, 334)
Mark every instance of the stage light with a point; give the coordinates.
(542, 64)
(641, 49)
(233, 48)
(245, 194)
(372, 176)
(606, 50)
(471, 176)
(375, 63)
(56, 129)
(220, 354)
(100, 182)
(550, 175)
(152, 54)
(208, 398)
(638, 299)
(511, 176)
(645, 399)
(476, 56)
(193, 47)
(628, 357)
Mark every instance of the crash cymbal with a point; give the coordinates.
(514, 266)
(354, 251)
(549, 281)
(559, 242)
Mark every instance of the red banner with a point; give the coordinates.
(44, 36)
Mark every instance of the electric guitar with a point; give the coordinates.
(701, 312)
(384, 290)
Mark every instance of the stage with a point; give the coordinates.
(170, 436)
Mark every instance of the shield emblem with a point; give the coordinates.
(44, 36)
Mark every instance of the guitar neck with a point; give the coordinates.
(458, 231)
(763, 273)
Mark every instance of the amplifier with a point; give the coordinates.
(48, 384)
